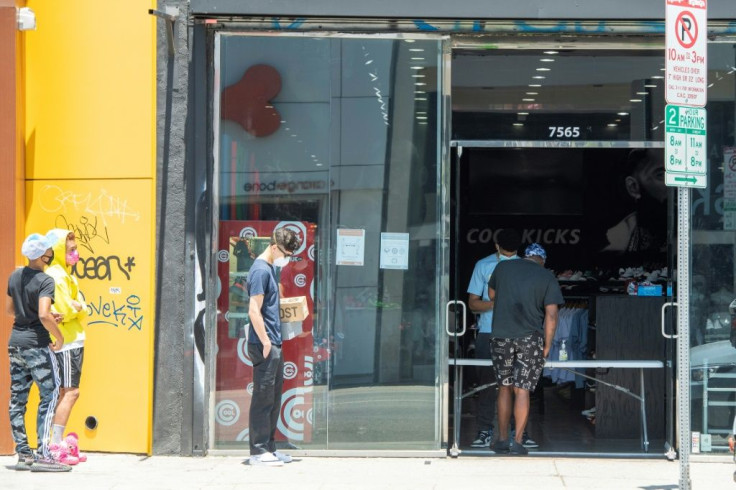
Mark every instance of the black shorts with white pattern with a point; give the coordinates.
(518, 362)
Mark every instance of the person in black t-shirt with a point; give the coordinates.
(31, 353)
(525, 297)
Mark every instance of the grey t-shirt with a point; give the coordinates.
(26, 286)
(523, 288)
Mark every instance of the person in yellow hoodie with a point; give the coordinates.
(69, 303)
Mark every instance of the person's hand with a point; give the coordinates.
(546, 351)
(58, 317)
(266, 349)
(76, 305)
(57, 345)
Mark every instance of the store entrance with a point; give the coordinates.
(592, 194)
(610, 324)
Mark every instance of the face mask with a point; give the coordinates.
(72, 257)
(502, 257)
(51, 259)
(281, 262)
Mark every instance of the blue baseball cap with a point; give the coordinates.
(535, 249)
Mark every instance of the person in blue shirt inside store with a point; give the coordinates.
(481, 305)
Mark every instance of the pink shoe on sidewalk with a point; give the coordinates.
(72, 442)
(60, 453)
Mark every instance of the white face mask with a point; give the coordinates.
(281, 262)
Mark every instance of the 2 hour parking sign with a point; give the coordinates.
(686, 159)
(687, 48)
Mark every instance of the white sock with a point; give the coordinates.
(58, 433)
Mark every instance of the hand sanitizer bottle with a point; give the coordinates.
(563, 352)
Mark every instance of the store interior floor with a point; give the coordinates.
(557, 425)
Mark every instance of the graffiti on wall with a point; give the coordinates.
(104, 221)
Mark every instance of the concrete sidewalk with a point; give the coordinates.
(119, 471)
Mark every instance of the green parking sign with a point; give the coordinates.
(686, 155)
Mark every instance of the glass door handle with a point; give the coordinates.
(665, 334)
(447, 318)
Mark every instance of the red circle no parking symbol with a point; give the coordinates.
(686, 29)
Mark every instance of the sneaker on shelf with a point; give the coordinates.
(517, 449)
(72, 442)
(60, 452)
(483, 439)
(501, 447)
(589, 413)
(283, 456)
(49, 465)
(25, 461)
(265, 459)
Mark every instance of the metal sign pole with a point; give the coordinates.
(683, 340)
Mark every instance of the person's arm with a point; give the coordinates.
(475, 291)
(492, 290)
(550, 325)
(67, 306)
(256, 319)
(10, 306)
(80, 305)
(49, 322)
(478, 305)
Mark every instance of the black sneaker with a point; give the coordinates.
(483, 439)
(528, 442)
(49, 465)
(517, 449)
(24, 462)
(501, 447)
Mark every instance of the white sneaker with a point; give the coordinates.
(265, 459)
(282, 456)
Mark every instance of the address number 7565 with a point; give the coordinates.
(564, 132)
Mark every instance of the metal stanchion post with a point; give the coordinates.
(683, 323)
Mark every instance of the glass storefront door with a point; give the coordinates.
(340, 139)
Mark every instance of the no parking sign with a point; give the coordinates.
(686, 32)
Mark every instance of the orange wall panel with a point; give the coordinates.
(90, 105)
(112, 221)
(89, 133)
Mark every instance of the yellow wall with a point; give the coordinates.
(90, 113)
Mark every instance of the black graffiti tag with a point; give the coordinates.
(85, 231)
(102, 268)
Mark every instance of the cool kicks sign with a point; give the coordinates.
(686, 56)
